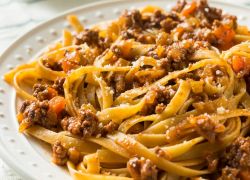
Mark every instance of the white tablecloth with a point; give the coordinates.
(14, 21)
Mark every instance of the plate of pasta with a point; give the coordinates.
(130, 90)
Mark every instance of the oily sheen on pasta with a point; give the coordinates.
(150, 95)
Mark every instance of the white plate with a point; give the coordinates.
(25, 155)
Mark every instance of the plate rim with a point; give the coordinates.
(4, 155)
(91, 4)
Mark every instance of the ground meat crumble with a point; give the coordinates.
(235, 161)
(86, 124)
(40, 91)
(59, 154)
(142, 169)
(156, 100)
(58, 85)
(35, 112)
(206, 127)
(89, 36)
(202, 125)
(55, 66)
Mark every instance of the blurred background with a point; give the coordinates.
(18, 16)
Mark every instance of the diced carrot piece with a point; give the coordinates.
(20, 117)
(126, 48)
(57, 104)
(67, 66)
(189, 9)
(179, 30)
(225, 35)
(238, 63)
(52, 92)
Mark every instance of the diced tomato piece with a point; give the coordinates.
(238, 63)
(189, 9)
(57, 104)
(52, 92)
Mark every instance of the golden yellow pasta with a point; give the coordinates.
(150, 95)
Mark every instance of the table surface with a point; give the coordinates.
(14, 21)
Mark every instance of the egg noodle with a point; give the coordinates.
(178, 130)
